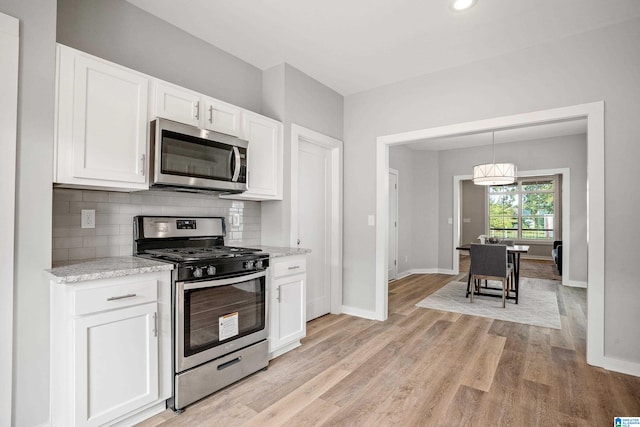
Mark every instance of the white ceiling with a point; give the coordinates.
(356, 45)
(503, 136)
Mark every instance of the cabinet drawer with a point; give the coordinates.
(117, 296)
(294, 265)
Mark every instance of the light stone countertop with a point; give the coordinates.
(105, 268)
(277, 251)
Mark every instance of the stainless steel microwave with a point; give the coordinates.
(188, 158)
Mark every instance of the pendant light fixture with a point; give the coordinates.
(494, 173)
(460, 5)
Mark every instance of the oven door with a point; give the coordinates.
(216, 317)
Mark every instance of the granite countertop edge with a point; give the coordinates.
(105, 268)
(278, 251)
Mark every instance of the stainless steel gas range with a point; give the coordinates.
(219, 303)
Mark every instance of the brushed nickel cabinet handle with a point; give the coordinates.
(155, 324)
(121, 297)
(294, 267)
(198, 110)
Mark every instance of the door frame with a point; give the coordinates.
(300, 133)
(9, 57)
(594, 113)
(397, 174)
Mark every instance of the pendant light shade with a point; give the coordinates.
(494, 173)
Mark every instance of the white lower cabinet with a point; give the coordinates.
(287, 323)
(110, 342)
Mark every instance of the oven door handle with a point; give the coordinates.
(220, 282)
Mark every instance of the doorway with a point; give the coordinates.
(393, 225)
(316, 216)
(594, 114)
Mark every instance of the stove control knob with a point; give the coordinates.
(249, 265)
(211, 270)
(259, 263)
(197, 272)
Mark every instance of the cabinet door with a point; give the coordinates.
(288, 321)
(116, 363)
(264, 158)
(178, 104)
(222, 117)
(102, 122)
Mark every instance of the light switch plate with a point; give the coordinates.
(371, 220)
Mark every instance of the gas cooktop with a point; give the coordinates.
(200, 253)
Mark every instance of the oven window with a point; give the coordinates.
(220, 314)
(195, 157)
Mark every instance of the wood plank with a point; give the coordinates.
(293, 403)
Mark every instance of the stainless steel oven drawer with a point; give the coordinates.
(209, 377)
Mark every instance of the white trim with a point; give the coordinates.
(574, 283)
(623, 366)
(594, 113)
(9, 57)
(397, 174)
(299, 133)
(358, 312)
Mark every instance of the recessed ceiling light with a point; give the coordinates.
(462, 4)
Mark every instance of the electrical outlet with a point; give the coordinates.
(235, 220)
(88, 218)
(371, 220)
(406, 258)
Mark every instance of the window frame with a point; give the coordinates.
(520, 182)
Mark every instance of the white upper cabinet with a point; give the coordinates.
(222, 117)
(182, 105)
(264, 158)
(101, 118)
(176, 103)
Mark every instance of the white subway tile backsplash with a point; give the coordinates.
(107, 251)
(67, 242)
(95, 241)
(82, 253)
(119, 197)
(76, 207)
(107, 230)
(95, 196)
(113, 234)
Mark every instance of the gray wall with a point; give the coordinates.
(33, 208)
(598, 65)
(295, 98)
(120, 32)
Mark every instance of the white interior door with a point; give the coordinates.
(314, 224)
(393, 224)
(9, 48)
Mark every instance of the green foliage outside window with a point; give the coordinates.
(525, 210)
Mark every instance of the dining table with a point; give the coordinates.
(516, 251)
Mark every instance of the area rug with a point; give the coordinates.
(536, 306)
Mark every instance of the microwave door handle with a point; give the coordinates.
(236, 163)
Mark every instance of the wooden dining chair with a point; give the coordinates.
(490, 262)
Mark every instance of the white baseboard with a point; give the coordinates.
(574, 283)
(622, 366)
(423, 271)
(359, 312)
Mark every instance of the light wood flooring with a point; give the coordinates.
(424, 367)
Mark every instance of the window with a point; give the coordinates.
(525, 210)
